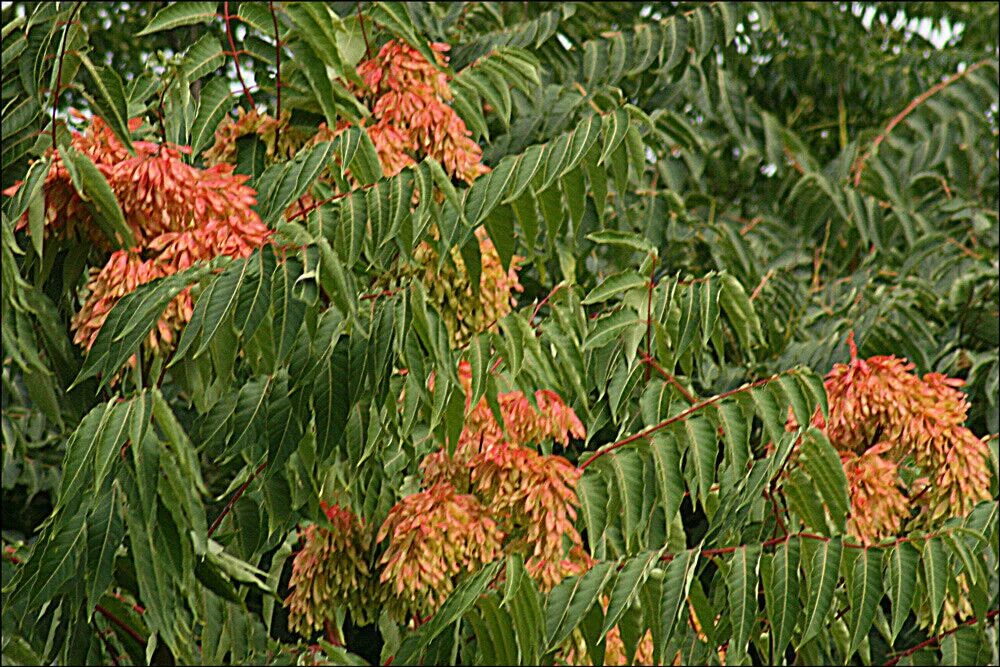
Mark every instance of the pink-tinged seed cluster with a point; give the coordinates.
(179, 214)
(449, 288)
(433, 537)
(411, 113)
(331, 571)
(882, 415)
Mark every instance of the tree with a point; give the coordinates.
(500, 333)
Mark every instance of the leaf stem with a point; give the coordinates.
(234, 53)
(937, 638)
(859, 167)
(645, 433)
(236, 496)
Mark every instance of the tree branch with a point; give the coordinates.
(937, 638)
(645, 433)
(235, 54)
(236, 496)
(898, 118)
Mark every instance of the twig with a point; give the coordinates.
(302, 212)
(364, 34)
(898, 118)
(132, 632)
(593, 105)
(760, 285)
(936, 638)
(232, 51)
(236, 496)
(544, 301)
(688, 396)
(795, 163)
(107, 645)
(749, 225)
(645, 433)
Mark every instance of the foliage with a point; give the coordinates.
(500, 333)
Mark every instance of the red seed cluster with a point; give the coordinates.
(883, 416)
(179, 215)
(411, 113)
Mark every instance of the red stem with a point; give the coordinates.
(107, 645)
(544, 301)
(368, 50)
(232, 48)
(132, 632)
(688, 396)
(667, 422)
(936, 638)
(898, 118)
(236, 496)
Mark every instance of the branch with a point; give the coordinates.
(688, 396)
(544, 301)
(898, 118)
(234, 53)
(132, 632)
(236, 496)
(645, 433)
(936, 638)
(107, 645)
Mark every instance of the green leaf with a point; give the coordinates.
(288, 310)
(571, 599)
(105, 532)
(612, 285)
(610, 327)
(901, 576)
(203, 57)
(593, 494)
(781, 597)
(864, 592)
(670, 485)
(110, 102)
(629, 582)
(130, 321)
(822, 462)
(395, 16)
(703, 447)
(625, 469)
(735, 434)
(93, 188)
(823, 571)
(676, 584)
(280, 188)
(621, 239)
(935, 559)
(460, 601)
(179, 14)
(614, 127)
(214, 102)
(741, 581)
(222, 302)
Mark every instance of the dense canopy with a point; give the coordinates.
(500, 333)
